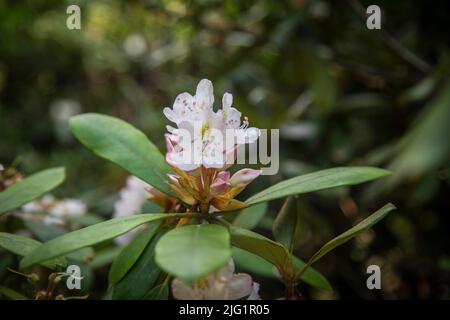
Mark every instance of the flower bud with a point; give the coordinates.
(221, 183)
(243, 177)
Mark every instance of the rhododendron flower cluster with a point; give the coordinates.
(203, 145)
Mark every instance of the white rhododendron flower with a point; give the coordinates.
(223, 284)
(131, 200)
(56, 210)
(204, 137)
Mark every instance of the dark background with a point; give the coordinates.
(340, 93)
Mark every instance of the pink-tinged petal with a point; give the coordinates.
(220, 186)
(170, 145)
(230, 156)
(243, 177)
(174, 179)
(182, 291)
(204, 95)
(223, 175)
(254, 295)
(239, 286)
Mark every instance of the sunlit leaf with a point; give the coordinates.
(123, 144)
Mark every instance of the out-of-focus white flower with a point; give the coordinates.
(135, 45)
(131, 199)
(204, 137)
(223, 284)
(61, 110)
(56, 210)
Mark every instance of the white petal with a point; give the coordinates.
(240, 286)
(204, 95)
(255, 292)
(227, 101)
(170, 114)
(183, 291)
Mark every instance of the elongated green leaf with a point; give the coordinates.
(311, 276)
(285, 225)
(256, 265)
(142, 276)
(89, 236)
(249, 217)
(22, 246)
(87, 219)
(251, 241)
(192, 252)
(123, 144)
(160, 292)
(104, 257)
(319, 180)
(12, 294)
(130, 254)
(30, 188)
(44, 233)
(351, 233)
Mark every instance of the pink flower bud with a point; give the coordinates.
(243, 177)
(221, 183)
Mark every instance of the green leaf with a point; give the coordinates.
(351, 233)
(86, 219)
(249, 217)
(285, 225)
(44, 233)
(192, 252)
(89, 236)
(256, 265)
(30, 188)
(143, 275)
(131, 253)
(104, 257)
(12, 294)
(268, 249)
(319, 180)
(123, 144)
(23, 246)
(311, 276)
(160, 292)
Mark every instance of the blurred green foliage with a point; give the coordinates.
(341, 94)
